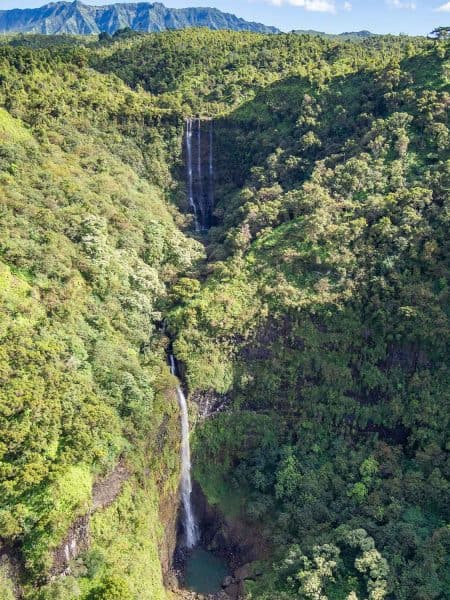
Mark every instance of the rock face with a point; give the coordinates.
(168, 516)
(210, 404)
(104, 493)
(78, 18)
(10, 573)
(235, 540)
(77, 540)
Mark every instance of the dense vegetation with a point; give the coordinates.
(88, 249)
(322, 311)
(325, 318)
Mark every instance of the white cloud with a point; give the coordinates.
(444, 8)
(401, 4)
(311, 5)
(348, 6)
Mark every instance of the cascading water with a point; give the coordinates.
(211, 167)
(191, 529)
(192, 204)
(201, 202)
(200, 176)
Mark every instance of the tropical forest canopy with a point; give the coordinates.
(317, 304)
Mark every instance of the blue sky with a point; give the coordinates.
(379, 16)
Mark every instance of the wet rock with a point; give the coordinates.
(210, 404)
(227, 581)
(11, 569)
(180, 594)
(76, 541)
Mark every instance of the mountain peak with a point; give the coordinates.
(59, 17)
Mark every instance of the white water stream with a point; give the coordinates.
(200, 171)
(192, 203)
(191, 528)
(211, 167)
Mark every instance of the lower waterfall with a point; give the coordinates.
(191, 529)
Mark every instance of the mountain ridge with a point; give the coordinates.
(83, 19)
(350, 35)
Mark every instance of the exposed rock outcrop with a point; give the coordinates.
(210, 403)
(237, 542)
(77, 540)
(234, 539)
(10, 574)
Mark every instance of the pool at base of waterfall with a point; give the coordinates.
(204, 571)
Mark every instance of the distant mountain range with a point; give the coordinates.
(78, 18)
(349, 35)
(81, 19)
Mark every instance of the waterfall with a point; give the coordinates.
(211, 168)
(189, 522)
(192, 203)
(200, 178)
(201, 199)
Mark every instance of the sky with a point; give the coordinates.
(416, 17)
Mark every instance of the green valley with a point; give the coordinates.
(312, 313)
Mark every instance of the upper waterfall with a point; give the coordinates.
(199, 142)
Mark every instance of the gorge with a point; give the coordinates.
(203, 572)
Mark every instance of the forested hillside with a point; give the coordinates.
(318, 303)
(89, 249)
(325, 318)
